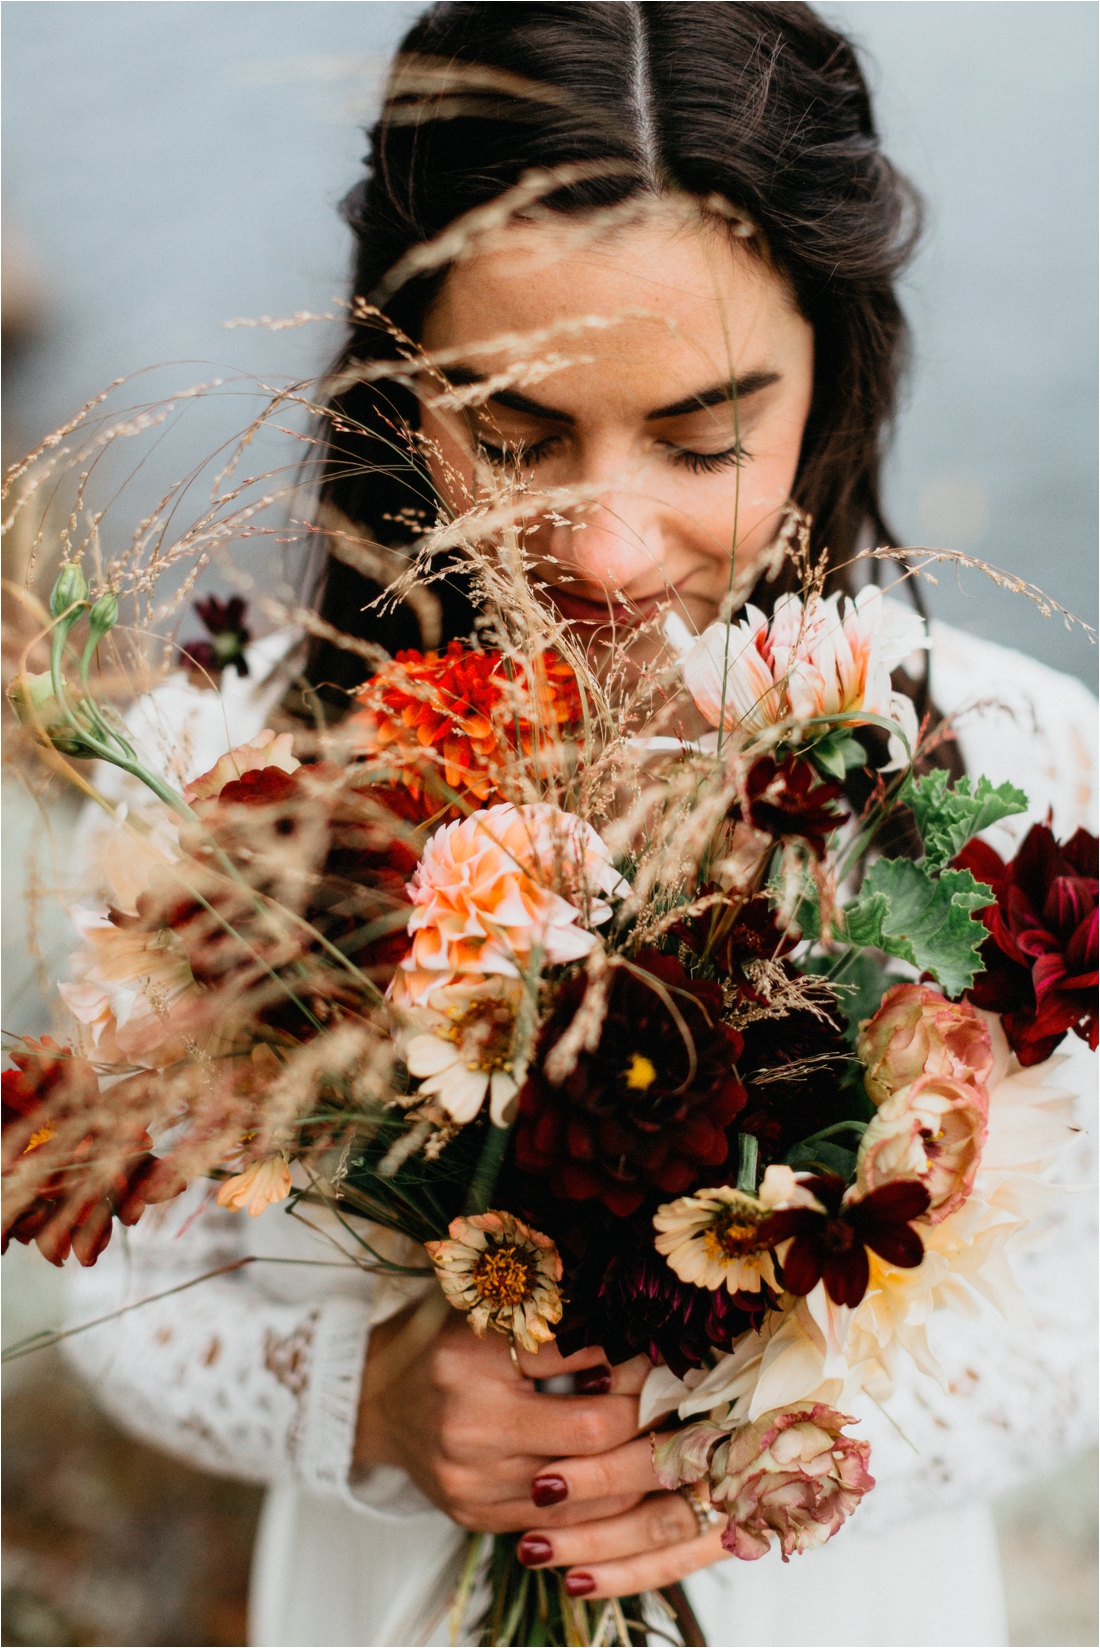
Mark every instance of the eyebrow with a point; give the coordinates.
(737, 389)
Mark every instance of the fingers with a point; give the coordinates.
(647, 1571)
(661, 1520)
(627, 1469)
(548, 1361)
(561, 1426)
(510, 1516)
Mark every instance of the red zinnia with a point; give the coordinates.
(1041, 956)
(790, 798)
(466, 715)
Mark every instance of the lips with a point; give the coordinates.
(578, 609)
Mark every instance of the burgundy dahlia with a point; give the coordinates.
(648, 1109)
(1041, 956)
(831, 1246)
(790, 798)
(732, 933)
(632, 1302)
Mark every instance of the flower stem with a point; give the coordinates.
(750, 1154)
(488, 1169)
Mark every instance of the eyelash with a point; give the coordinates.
(517, 457)
(708, 463)
(700, 463)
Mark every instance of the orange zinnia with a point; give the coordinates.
(466, 714)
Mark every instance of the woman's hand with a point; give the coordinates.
(498, 1456)
(654, 1541)
(473, 1434)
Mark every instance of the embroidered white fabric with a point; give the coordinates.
(256, 1373)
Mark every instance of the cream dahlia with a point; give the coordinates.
(805, 662)
(499, 884)
(469, 1052)
(503, 1275)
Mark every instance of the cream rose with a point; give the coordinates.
(933, 1130)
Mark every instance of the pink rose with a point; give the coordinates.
(793, 1474)
(918, 1032)
(933, 1130)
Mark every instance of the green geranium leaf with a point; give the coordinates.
(922, 918)
(947, 817)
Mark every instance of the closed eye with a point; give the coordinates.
(520, 455)
(706, 463)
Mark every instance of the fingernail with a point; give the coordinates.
(593, 1381)
(549, 1490)
(579, 1584)
(534, 1550)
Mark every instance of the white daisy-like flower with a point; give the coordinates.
(713, 1237)
(468, 1053)
(503, 1275)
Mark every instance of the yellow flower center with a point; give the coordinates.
(39, 1137)
(503, 1276)
(642, 1073)
(732, 1235)
(483, 1034)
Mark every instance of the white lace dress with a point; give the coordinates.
(256, 1373)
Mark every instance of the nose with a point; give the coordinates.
(614, 542)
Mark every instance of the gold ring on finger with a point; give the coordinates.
(707, 1517)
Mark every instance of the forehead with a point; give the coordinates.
(668, 298)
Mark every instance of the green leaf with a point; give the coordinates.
(837, 753)
(947, 818)
(922, 918)
(818, 1153)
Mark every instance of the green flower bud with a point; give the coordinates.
(35, 705)
(70, 587)
(103, 616)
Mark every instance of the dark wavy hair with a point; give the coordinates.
(762, 105)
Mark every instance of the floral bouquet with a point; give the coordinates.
(675, 1007)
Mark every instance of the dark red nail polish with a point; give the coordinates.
(579, 1584)
(549, 1490)
(593, 1381)
(534, 1550)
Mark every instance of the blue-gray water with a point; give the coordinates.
(171, 165)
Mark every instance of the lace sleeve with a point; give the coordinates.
(224, 1374)
(255, 1373)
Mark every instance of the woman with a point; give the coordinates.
(696, 286)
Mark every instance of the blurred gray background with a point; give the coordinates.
(169, 166)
